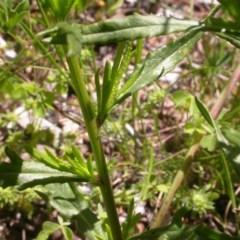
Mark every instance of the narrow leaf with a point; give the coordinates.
(99, 91)
(131, 221)
(117, 59)
(205, 113)
(160, 62)
(44, 158)
(128, 55)
(30, 173)
(232, 39)
(132, 28)
(115, 30)
(175, 232)
(207, 116)
(106, 83)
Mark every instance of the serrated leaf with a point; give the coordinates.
(128, 54)
(112, 78)
(30, 173)
(72, 162)
(78, 163)
(159, 63)
(117, 59)
(44, 158)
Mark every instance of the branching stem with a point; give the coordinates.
(95, 141)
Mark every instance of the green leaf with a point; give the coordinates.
(179, 97)
(127, 57)
(69, 35)
(233, 155)
(112, 78)
(67, 232)
(209, 142)
(47, 159)
(207, 116)
(107, 84)
(11, 15)
(232, 39)
(98, 91)
(132, 28)
(30, 173)
(205, 113)
(174, 232)
(78, 163)
(118, 58)
(50, 226)
(47, 229)
(72, 162)
(232, 7)
(203, 232)
(232, 135)
(131, 221)
(116, 5)
(159, 63)
(43, 235)
(220, 25)
(229, 147)
(115, 30)
(70, 202)
(82, 4)
(59, 8)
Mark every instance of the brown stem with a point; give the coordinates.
(226, 93)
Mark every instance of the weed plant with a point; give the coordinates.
(170, 151)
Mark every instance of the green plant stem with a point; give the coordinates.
(95, 141)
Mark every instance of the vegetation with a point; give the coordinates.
(175, 146)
